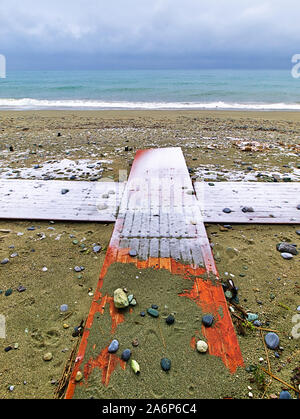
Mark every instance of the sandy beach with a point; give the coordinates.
(92, 145)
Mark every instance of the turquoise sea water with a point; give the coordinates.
(151, 89)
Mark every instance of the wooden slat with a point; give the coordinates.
(273, 203)
(43, 200)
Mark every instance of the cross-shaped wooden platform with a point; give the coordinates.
(159, 220)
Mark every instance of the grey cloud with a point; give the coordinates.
(144, 27)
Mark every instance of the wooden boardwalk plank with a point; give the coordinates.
(273, 203)
(43, 200)
(185, 256)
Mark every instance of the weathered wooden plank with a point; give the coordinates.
(273, 203)
(44, 200)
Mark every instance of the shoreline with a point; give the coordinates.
(289, 115)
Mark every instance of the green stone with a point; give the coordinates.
(153, 312)
(228, 295)
(8, 292)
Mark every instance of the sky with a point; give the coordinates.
(113, 34)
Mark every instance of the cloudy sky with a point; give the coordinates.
(92, 34)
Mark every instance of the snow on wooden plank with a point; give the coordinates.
(60, 200)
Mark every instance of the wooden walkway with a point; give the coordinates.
(273, 203)
(159, 218)
(60, 200)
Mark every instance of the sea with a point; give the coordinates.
(151, 90)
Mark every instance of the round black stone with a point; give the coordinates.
(207, 320)
(165, 364)
(170, 319)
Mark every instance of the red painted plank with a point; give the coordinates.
(207, 295)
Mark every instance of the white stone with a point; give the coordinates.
(120, 299)
(202, 346)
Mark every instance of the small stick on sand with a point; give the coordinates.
(64, 381)
(281, 381)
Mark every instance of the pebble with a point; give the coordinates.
(228, 295)
(170, 319)
(207, 320)
(272, 340)
(132, 253)
(64, 191)
(142, 314)
(287, 256)
(114, 346)
(285, 395)
(48, 356)
(4, 261)
(153, 312)
(64, 307)
(154, 306)
(11, 388)
(227, 210)
(135, 366)
(130, 297)
(120, 298)
(247, 209)
(251, 317)
(44, 269)
(102, 206)
(8, 292)
(165, 364)
(78, 268)
(97, 249)
(126, 354)
(202, 346)
(287, 248)
(79, 376)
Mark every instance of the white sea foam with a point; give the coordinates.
(32, 104)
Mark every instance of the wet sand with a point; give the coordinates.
(212, 144)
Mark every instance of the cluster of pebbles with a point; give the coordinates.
(123, 300)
